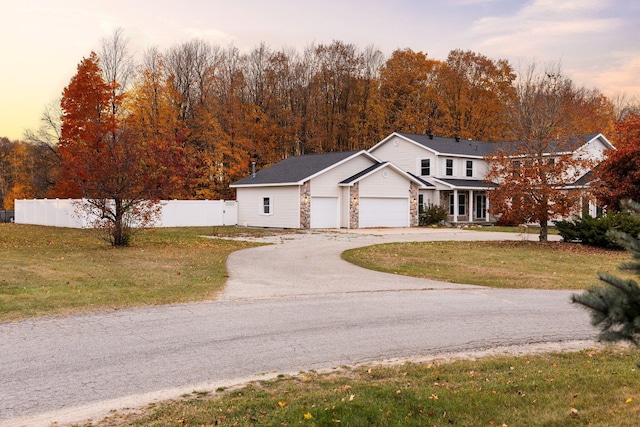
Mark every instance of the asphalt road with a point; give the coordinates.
(287, 307)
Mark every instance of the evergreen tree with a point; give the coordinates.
(615, 307)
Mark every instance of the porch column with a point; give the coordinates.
(470, 205)
(455, 206)
(486, 212)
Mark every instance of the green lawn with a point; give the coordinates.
(47, 270)
(512, 264)
(588, 388)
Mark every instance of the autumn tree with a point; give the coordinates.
(619, 174)
(473, 93)
(44, 142)
(533, 172)
(120, 175)
(25, 171)
(406, 85)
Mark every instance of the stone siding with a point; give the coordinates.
(354, 206)
(305, 205)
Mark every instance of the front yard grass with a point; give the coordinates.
(507, 264)
(48, 270)
(587, 388)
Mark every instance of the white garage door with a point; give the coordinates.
(381, 212)
(325, 212)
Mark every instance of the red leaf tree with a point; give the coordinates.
(619, 174)
(120, 175)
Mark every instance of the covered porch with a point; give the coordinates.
(466, 201)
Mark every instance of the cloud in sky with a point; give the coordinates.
(595, 40)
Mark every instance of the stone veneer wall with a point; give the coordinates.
(354, 205)
(413, 205)
(305, 205)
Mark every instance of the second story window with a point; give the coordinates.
(469, 168)
(425, 167)
(449, 167)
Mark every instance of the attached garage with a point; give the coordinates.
(384, 212)
(325, 212)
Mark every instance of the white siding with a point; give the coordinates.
(408, 156)
(385, 183)
(344, 209)
(405, 155)
(593, 150)
(285, 207)
(326, 184)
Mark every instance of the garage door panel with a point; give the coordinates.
(325, 212)
(384, 212)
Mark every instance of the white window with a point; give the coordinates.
(449, 167)
(469, 168)
(267, 208)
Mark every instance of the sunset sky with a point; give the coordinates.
(42, 41)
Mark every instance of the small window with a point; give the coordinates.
(266, 205)
(425, 167)
(469, 168)
(420, 203)
(449, 167)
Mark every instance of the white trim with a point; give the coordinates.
(383, 166)
(261, 200)
(334, 165)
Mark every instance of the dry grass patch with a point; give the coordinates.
(49, 270)
(508, 264)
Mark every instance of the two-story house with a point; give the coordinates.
(455, 167)
(385, 186)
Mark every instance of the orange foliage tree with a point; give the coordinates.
(120, 174)
(406, 85)
(534, 172)
(474, 93)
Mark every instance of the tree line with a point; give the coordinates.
(203, 113)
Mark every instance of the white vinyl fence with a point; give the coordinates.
(175, 213)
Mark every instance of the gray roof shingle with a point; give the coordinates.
(294, 169)
(464, 147)
(363, 173)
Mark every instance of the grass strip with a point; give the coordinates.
(507, 264)
(587, 388)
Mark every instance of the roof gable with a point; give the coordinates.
(444, 146)
(296, 170)
(473, 148)
(371, 169)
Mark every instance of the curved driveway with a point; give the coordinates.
(287, 307)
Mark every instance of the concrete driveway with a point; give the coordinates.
(287, 307)
(309, 263)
